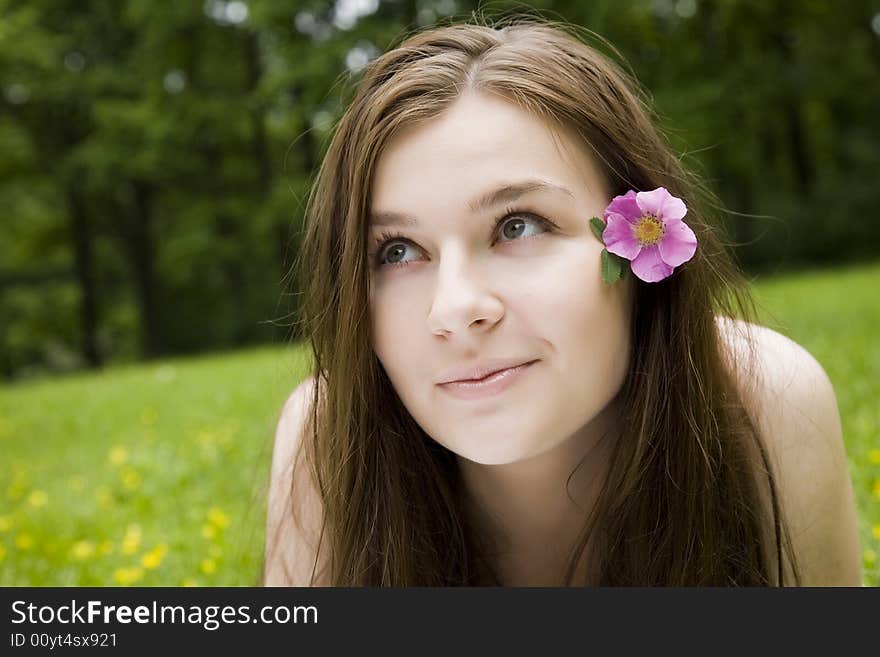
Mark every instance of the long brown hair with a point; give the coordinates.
(689, 497)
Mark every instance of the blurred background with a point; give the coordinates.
(155, 160)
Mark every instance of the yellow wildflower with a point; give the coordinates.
(217, 518)
(154, 557)
(5, 523)
(189, 581)
(106, 547)
(18, 487)
(151, 560)
(132, 539)
(24, 541)
(204, 437)
(870, 557)
(875, 531)
(38, 498)
(208, 566)
(874, 456)
(209, 532)
(131, 479)
(118, 455)
(82, 549)
(127, 576)
(104, 497)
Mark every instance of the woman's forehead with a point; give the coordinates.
(480, 145)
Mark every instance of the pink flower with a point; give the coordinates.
(646, 228)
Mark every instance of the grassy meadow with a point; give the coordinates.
(143, 475)
(155, 474)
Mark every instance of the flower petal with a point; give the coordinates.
(625, 206)
(678, 244)
(652, 202)
(649, 266)
(673, 208)
(619, 238)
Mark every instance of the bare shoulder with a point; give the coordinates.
(293, 514)
(792, 400)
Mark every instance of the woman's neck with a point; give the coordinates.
(532, 513)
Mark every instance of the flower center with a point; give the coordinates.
(649, 230)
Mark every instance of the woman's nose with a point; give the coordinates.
(463, 298)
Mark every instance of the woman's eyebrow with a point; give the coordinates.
(506, 193)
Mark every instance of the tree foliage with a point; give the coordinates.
(156, 156)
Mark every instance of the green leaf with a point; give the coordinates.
(598, 227)
(613, 267)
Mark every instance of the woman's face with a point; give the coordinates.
(459, 289)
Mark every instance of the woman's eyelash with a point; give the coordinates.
(387, 236)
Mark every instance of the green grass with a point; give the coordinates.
(150, 475)
(155, 474)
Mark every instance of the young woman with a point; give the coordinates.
(491, 403)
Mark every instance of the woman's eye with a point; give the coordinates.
(514, 228)
(510, 227)
(394, 251)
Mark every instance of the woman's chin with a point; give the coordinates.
(492, 454)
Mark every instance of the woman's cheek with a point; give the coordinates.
(395, 333)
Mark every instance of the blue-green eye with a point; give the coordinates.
(513, 230)
(519, 221)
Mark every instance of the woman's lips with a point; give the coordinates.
(490, 385)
